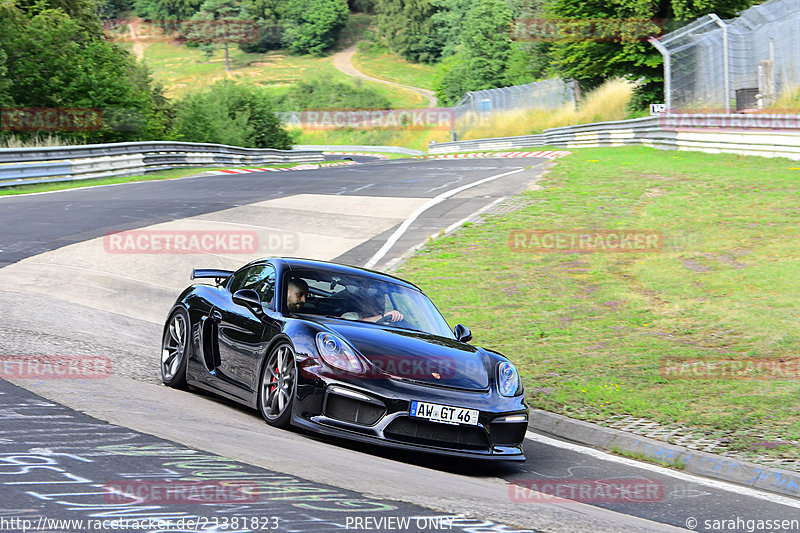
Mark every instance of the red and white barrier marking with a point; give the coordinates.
(379, 156)
(549, 154)
(280, 169)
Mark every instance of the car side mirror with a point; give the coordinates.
(248, 298)
(463, 334)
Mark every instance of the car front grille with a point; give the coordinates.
(352, 410)
(409, 430)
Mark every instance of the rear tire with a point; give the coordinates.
(277, 387)
(175, 349)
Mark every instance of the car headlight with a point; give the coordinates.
(507, 379)
(337, 353)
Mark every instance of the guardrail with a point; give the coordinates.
(769, 135)
(19, 166)
(359, 148)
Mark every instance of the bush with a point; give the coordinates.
(229, 113)
(319, 94)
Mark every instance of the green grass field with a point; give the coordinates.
(180, 69)
(390, 66)
(591, 332)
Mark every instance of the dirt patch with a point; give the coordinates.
(695, 266)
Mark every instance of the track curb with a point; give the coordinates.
(706, 464)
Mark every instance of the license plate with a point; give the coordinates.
(444, 414)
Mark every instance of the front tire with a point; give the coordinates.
(175, 349)
(278, 382)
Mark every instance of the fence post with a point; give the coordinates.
(667, 72)
(725, 67)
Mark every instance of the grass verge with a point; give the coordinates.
(678, 465)
(591, 332)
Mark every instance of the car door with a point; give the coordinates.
(243, 337)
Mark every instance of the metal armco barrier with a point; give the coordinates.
(769, 135)
(359, 148)
(19, 166)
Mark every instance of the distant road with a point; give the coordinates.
(343, 61)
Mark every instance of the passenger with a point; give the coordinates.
(373, 311)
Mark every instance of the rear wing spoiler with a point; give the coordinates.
(218, 275)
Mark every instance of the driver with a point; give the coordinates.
(296, 295)
(373, 311)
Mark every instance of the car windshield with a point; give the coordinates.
(362, 298)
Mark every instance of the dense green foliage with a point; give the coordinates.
(408, 27)
(311, 26)
(53, 54)
(267, 14)
(231, 113)
(481, 60)
(5, 83)
(56, 57)
(319, 94)
(471, 39)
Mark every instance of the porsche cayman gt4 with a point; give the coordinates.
(345, 352)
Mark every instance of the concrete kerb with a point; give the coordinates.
(701, 463)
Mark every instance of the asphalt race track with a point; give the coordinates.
(68, 290)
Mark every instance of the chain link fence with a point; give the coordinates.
(477, 106)
(742, 63)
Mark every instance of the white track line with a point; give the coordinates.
(717, 484)
(424, 207)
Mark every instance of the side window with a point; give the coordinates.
(260, 278)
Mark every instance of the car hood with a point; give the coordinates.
(417, 356)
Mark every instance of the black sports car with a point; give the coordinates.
(345, 352)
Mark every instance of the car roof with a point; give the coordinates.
(297, 263)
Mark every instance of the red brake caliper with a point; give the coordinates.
(272, 387)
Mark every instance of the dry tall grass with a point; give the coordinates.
(607, 102)
(34, 141)
(787, 102)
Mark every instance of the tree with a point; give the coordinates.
(448, 22)
(627, 53)
(55, 61)
(312, 26)
(487, 43)
(5, 83)
(167, 10)
(409, 28)
(230, 113)
(267, 15)
(212, 26)
(481, 60)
